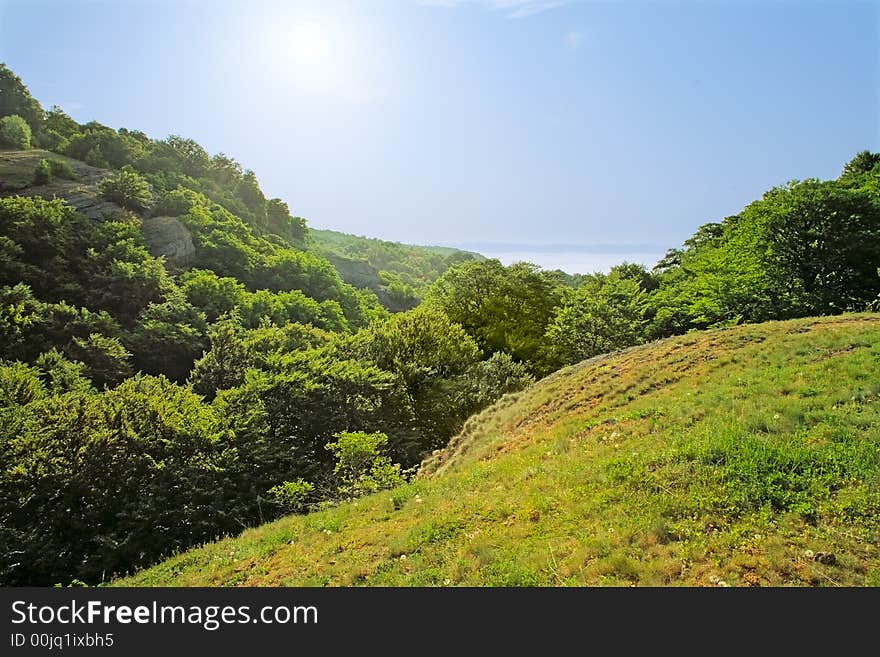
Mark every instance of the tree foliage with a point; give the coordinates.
(605, 315)
(128, 189)
(504, 309)
(15, 99)
(14, 132)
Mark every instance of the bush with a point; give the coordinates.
(291, 496)
(51, 140)
(62, 169)
(15, 132)
(360, 467)
(43, 173)
(128, 189)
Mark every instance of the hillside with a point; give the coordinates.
(179, 362)
(747, 456)
(398, 273)
(202, 344)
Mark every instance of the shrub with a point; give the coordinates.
(360, 468)
(128, 189)
(62, 169)
(291, 496)
(43, 173)
(15, 132)
(51, 140)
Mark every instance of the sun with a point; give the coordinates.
(308, 42)
(316, 56)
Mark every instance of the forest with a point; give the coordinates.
(399, 274)
(151, 401)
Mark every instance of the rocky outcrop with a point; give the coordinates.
(167, 236)
(85, 200)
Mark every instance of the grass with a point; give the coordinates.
(747, 456)
(17, 167)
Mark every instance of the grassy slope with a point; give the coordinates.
(17, 168)
(17, 177)
(746, 456)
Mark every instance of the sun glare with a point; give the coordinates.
(308, 42)
(315, 56)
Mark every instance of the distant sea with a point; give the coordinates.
(572, 259)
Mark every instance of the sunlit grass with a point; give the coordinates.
(743, 457)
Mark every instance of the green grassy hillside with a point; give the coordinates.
(747, 456)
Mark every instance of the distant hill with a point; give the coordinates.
(747, 456)
(397, 273)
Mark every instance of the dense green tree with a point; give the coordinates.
(250, 193)
(168, 338)
(194, 161)
(278, 422)
(280, 222)
(602, 316)
(863, 162)
(439, 379)
(16, 99)
(20, 385)
(442, 408)
(93, 485)
(823, 246)
(224, 170)
(128, 189)
(806, 248)
(61, 375)
(57, 119)
(268, 342)
(62, 255)
(503, 308)
(14, 132)
(107, 361)
(57, 130)
(223, 366)
(421, 346)
(398, 296)
(100, 146)
(214, 295)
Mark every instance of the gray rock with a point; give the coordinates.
(167, 236)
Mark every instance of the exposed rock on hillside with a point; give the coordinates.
(167, 236)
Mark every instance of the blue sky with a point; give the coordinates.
(523, 122)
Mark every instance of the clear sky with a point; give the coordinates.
(523, 122)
